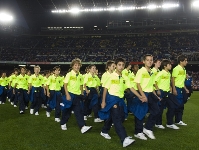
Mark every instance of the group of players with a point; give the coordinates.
(145, 90)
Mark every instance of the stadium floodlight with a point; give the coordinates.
(120, 8)
(4, 17)
(95, 26)
(152, 6)
(127, 21)
(170, 5)
(74, 10)
(97, 9)
(142, 7)
(111, 9)
(195, 4)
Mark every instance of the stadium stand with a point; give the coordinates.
(55, 49)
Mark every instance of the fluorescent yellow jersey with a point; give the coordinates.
(145, 79)
(131, 79)
(90, 80)
(62, 83)
(97, 80)
(26, 87)
(4, 81)
(74, 82)
(36, 81)
(179, 74)
(155, 73)
(116, 85)
(105, 76)
(54, 83)
(163, 79)
(83, 76)
(22, 82)
(125, 73)
(45, 81)
(12, 79)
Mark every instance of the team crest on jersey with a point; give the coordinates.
(181, 73)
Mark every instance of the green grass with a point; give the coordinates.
(28, 132)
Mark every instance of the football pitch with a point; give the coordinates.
(30, 132)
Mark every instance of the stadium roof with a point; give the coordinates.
(38, 13)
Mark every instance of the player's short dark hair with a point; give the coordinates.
(127, 64)
(156, 60)
(22, 67)
(147, 55)
(46, 72)
(90, 66)
(164, 63)
(181, 58)
(57, 68)
(119, 60)
(109, 63)
(16, 69)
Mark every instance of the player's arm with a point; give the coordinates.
(141, 92)
(103, 104)
(85, 87)
(47, 86)
(173, 86)
(107, 85)
(142, 98)
(68, 97)
(187, 91)
(29, 84)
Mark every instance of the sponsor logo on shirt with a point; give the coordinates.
(115, 81)
(165, 77)
(90, 79)
(73, 78)
(145, 75)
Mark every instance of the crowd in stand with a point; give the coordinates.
(56, 49)
(195, 76)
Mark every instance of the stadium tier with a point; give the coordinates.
(56, 49)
